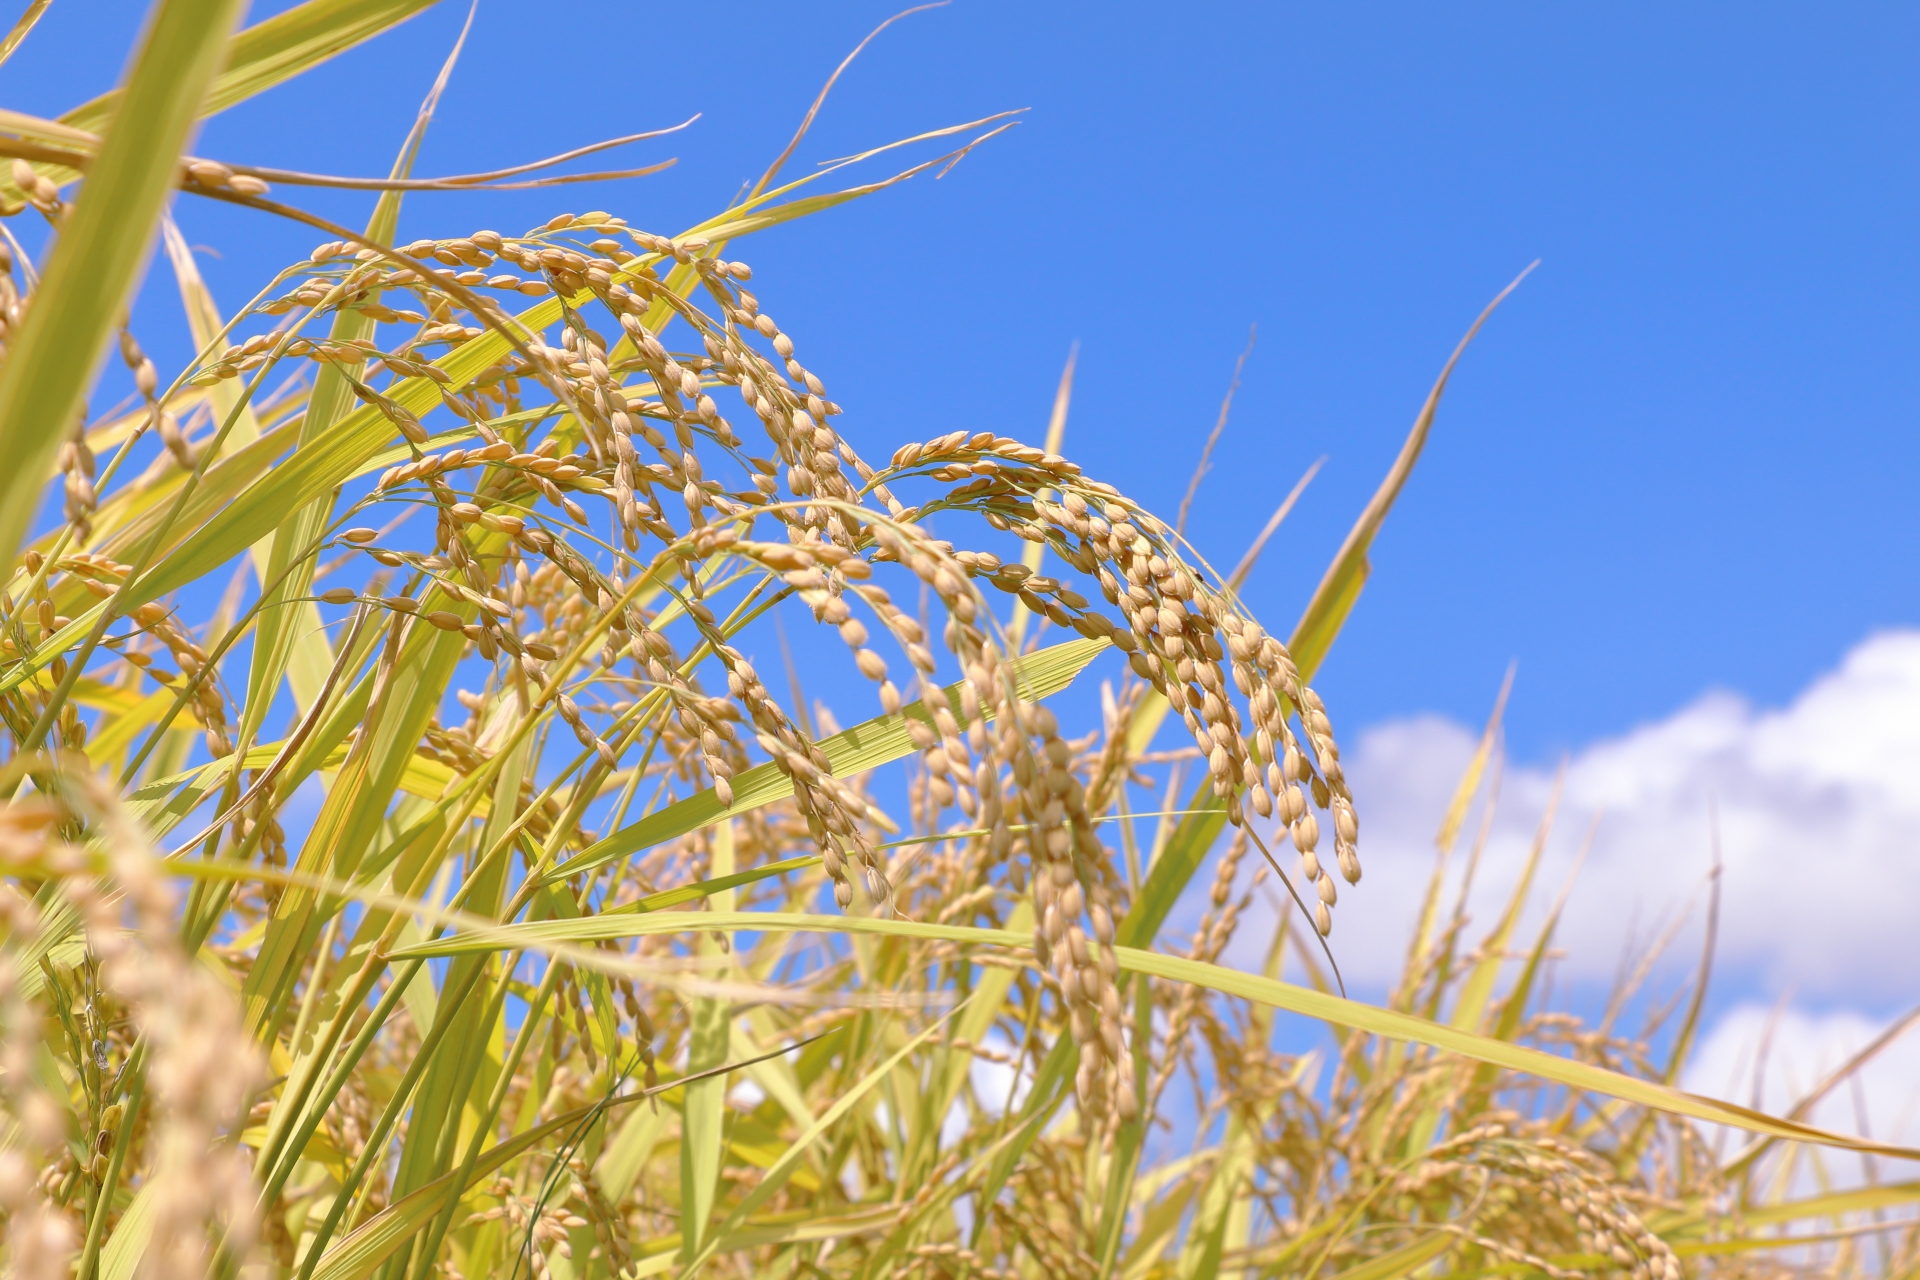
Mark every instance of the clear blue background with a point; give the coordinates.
(1681, 456)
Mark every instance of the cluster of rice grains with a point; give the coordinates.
(133, 984)
(601, 533)
(643, 433)
(1173, 635)
(1534, 1191)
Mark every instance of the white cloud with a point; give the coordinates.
(1819, 817)
(1819, 814)
(1802, 1050)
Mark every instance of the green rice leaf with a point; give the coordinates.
(1324, 1006)
(1333, 600)
(783, 1168)
(276, 50)
(99, 254)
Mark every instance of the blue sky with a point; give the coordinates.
(1679, 458)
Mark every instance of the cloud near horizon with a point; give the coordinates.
(1818, 807)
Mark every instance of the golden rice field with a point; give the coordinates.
(405, 871)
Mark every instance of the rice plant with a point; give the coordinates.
(411, 867)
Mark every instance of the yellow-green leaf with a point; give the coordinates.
(99, 253)
(1388, 1023)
